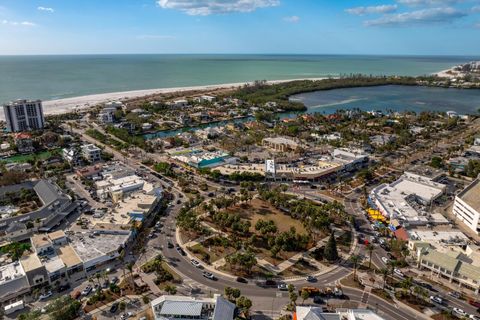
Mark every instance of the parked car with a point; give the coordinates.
(318, 299)
(270, 283)
(209, 275)
(126, 315)
(114, 307)
(459, 312)
(114, 280)
(398, 273)
(473, 317)
(242, 280)
(63, 288)
(455, 294)
(436, 299)
(170, 245)
(282, 287)
(75, 295)
(385, 260)
(45, 295)
(87, 290)
(195, 263)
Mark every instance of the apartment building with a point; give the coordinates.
(24, 115)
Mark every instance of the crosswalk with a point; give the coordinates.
(195, 288)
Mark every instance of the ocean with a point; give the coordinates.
(64, 76)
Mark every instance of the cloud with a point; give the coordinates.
(208, 7)
(359, 11)
(154, 37)
(476, 9)
(428, 2)
(16, 23)
(292, 19)
(46, 9)
(425, 16)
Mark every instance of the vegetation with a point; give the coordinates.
(331, 253)
(126, 136)
(63, 308)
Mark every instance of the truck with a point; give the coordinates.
(312, 291)
(11, 308)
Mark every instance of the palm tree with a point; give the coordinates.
(354, 259)
(130, 270)
(384, 272)
(370, 248)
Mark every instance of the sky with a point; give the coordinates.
(383, 27)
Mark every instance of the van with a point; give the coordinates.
(14, 307)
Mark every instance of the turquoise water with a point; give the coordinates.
(54, 77)
(397, 98)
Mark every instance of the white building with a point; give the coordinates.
(185, 308)
(180, 103)
(72, 156)
(403, 199)
(92, 153)
(316, 313)
(24, 115)
(467, 206)
(107, 115)
(13, 282)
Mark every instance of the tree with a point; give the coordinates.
(384, 272)
(293, 297)
(171, 289)
(304, 294)
(244, 304)
(354, 259)
(370, 248)
(330, 252)
(64, 308)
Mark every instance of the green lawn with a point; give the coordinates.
(26, 157)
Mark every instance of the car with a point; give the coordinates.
(436, 299)
(208, 275)
(114, 307)
(45, 295)
(318, 299)
(87, 290)
(473, 317)
(126, 315)
(282, 286)
(242, 280)
(195, 263)
(311, 279)
(398, 273)
(179, 201)
(270, 283)
(63, 288)
(114, 280)
(170, 245)
(385, 260)
(106, 284)
(459, 312)
(455, 294)
(181, 251)
(97, 288)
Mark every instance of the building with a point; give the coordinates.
(107, 115)
(24, 142)
(316, 313)
(406, 199)
(281, 144)
(72, 156)
(457, 266)
(203, 159)
(180, 103)
(24, 115)
(56, 206)
(185, 308)
(92, 153)
(467, 206)
(13, 282)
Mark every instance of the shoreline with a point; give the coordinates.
(65, 105)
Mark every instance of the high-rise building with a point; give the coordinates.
(24, 115)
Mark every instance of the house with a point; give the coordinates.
(72, 156)
(92, 153)
(24, 142)
(281, 144)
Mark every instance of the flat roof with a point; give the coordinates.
(53, 264)
(11, 271)
(68, 256)
(88, 246)
(56, 235)
(40, 240)
(30, 262)
(471, 195)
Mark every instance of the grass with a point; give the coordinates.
(349, 282)
(300, 268)
(28, 157)
(382, 294)
(258, 209)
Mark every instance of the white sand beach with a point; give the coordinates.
(77, 103)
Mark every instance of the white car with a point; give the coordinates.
(196, 263)
(45, 295)
(459, 312)
(398, 273)
(385, 260)
(436, 299)
(473, 317)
